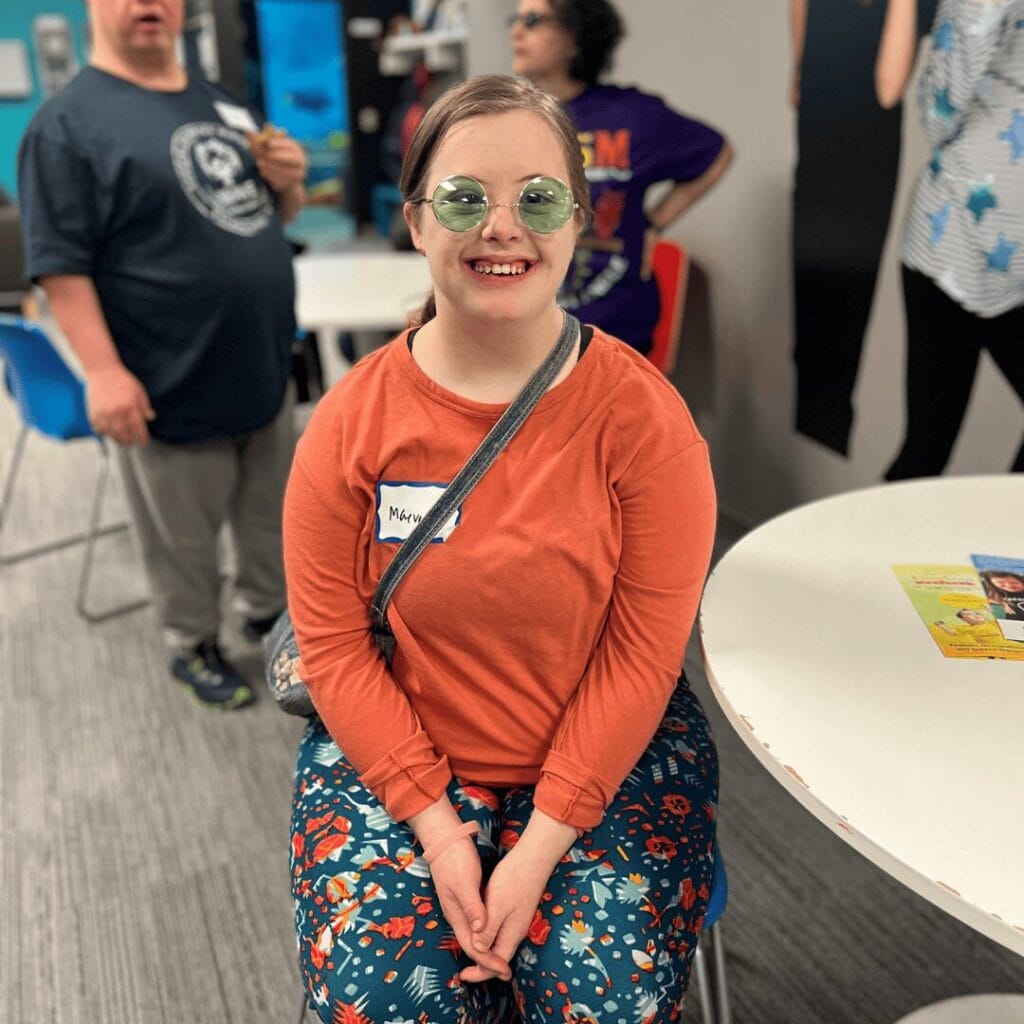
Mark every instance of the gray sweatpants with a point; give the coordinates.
(181, 495)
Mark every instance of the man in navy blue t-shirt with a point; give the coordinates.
(152, 210)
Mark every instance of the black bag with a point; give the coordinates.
(280, 648)
(281, 655)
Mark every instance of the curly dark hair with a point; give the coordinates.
(597, 29)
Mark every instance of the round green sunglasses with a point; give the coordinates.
(460, 204)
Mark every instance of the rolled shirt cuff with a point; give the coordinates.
(409, 778)
(570, 794)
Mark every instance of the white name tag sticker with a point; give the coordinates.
(402, 506)
(235, 116)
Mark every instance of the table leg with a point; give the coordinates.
(984, 1009)
(333, 363)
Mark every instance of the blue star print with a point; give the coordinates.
(943, 105)
(943, 37)
(999, 257)
(1014, 135)
(935, 164)
(980, 200)
(938, 221)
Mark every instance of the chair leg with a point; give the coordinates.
(723, 1009)
(12, 472)
(707, 999)
(95, 532)
(303, 1008)
(5, 504)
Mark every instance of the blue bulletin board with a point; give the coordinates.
(303, 69)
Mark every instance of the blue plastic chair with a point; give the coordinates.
(51, 400)
(711, 984)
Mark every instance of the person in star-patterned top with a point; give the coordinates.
(963, 265)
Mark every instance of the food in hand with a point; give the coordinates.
(259, 139)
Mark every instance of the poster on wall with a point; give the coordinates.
(847, 163)
(55, 52)
(15, 80)
(303, 70)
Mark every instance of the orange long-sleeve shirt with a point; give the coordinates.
(539, 642)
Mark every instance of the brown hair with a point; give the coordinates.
(477, 97)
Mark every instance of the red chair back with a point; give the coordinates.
(670, 266)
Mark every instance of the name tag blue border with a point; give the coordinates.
(407, 483)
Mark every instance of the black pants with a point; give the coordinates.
(832, 308)
(944, 342)
(842, 200)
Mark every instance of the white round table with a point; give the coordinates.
(356, 291)
(823, 666)
(979, 1009)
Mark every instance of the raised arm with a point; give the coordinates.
(282, 163)
(896, 52)
(966, 36)
(798, 33)
(686, 193)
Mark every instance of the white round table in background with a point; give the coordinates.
(983, 1009)
(825, 669)
(356, 290)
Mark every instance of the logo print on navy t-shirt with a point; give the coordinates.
(209, 160)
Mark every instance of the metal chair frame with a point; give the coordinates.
(712, 985)
(88, 538)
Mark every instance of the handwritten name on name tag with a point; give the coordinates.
(401, 507)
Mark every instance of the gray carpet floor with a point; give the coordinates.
(143, 841)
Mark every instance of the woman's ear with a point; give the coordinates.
(411, 213)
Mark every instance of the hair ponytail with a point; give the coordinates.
(426, 312)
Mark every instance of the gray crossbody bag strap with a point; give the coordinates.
(465, 480)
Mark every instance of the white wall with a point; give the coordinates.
(728, 63)
(488, 51)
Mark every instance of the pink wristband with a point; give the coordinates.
(438, 846)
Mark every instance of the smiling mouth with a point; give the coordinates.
(513, 268)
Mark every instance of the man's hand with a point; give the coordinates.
(118, 405)
(281, 162)
(512, 898)
(457, 875)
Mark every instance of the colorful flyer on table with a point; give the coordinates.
(1002, 579)
(953, 606)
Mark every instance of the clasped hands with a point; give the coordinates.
(489, 924)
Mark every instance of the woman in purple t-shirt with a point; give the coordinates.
(630, 141)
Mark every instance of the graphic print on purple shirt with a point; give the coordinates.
(630, 140)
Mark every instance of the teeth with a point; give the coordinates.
(499, 268)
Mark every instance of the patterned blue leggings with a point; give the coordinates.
(612, 939)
